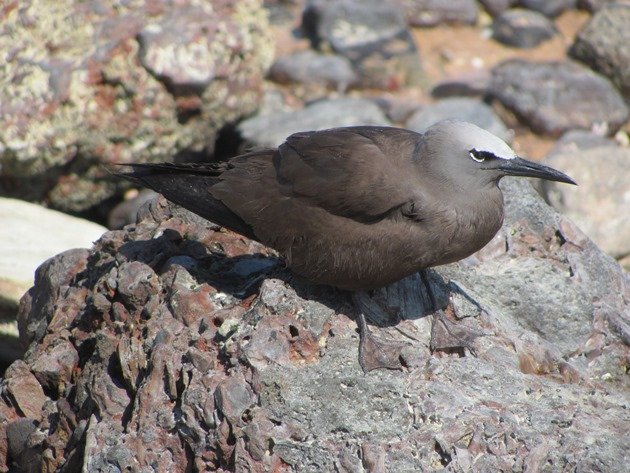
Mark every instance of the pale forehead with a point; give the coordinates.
(486, 141)
(473, 137)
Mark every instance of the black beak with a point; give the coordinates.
(522, 167)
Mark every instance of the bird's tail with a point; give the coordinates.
(189, 185)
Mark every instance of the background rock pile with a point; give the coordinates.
(174, 345)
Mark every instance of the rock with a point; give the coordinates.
(594, 5)
(468, 85)
(397, 110)
(549, 8)
(310, 67)
(127, 211)
(603, 44)
(272, 130)
(372, 34)
(600, 204)
(554, 97)
(53, 278)
(575, 140)
(10, 347)
(29, 235)
(24, 390)
(466, 109)
(89, 84)
(496, 7)
(438, 12)
(259, 371)
(522, 28)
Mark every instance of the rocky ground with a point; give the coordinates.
(173, 345)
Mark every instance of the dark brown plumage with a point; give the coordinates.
(360, 207)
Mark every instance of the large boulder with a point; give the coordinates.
(372, 34)
(600, 204)
(29, 235)
(87, 83)
(604, 44)
(271, 128)
(175, 346)
(554, 97)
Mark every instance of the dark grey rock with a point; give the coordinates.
(348, 24)
(466, 109)
(269, 380)
(470, 85)
(438, 12)
(554, 97)
(94, 96)
(549, 8)
(496, 7)
(594, 5)
(18, 434)
(273, 129)
(127, 211)
(604, 44)
(397, 110)
(53, 278)
(310, 67)
(372, 34)
(522, 28)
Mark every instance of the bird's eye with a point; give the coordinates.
(480, 156)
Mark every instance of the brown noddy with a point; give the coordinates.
(359, 207)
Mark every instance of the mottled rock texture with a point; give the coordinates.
(271, 129)
(87, 83)
(604, 44)
(175, 346)
(496, 7)
(600, 205)
(461, 108)
(438, 12)
(309, 67)
(554, 97)
(372, 34)
(550, 8)
(522, 28)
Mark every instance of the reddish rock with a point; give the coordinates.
(182, 351)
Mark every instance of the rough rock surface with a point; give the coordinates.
(496, 7)
(174, 346)
(310, 67)
(29, 235)
(522, 28)
(271, 129)
(372, 34)
(437, 12)
(86, 83)
(600, 205)
(549, 8)
(604, 44)
(467, 109)
(466, 85)
(595, 5)
(554, 97)
(575, 140)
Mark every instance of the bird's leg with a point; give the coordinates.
(374, 352)
(446, 334)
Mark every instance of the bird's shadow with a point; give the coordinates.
(242, 276)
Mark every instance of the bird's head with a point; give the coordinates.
(471, 155)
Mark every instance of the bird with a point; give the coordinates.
(359, 207)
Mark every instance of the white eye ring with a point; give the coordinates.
(475, 158)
